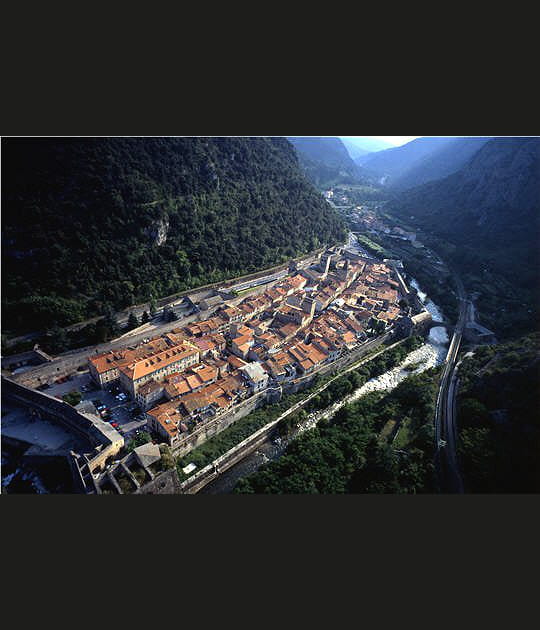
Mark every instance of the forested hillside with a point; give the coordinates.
(498, 415)
(420, 161)
(442, 162)
(327, 162)
(487, 219)
(91, 223)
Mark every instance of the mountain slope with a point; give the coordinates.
(394, 163)
(442, 162)
(358, 146)
(489, 214)
(499, 435)
(326, 161)
(422, 160)
(110, 221)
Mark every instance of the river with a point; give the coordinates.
(431, 354)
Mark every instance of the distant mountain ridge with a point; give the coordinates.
(422, 160)
(359, 146)
(326, 161)
(497, 186)
(394, 162)
(489, 211)
(442, 162)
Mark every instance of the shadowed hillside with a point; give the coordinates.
(327, 162)
(487, 218)
(91, 223)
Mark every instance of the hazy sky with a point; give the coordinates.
(396, 140)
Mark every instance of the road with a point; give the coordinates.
(71, 360)
(175, 299)
(278, 275)
(258, 281)
(445, 412)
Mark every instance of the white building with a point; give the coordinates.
(255, 376)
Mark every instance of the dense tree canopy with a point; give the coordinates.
(499, 419)
(90, 222)
(486, 220)
(350, 453)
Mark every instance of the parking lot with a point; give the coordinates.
(75, 382)
(124, 413)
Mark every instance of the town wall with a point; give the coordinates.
(220, 423)
(217, 424)
(165, 483)
(31, 357)
(106, 441)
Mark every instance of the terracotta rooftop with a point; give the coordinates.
(149, 365)
(118, 358)
(149, 387)
(235, 362)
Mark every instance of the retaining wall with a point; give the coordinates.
(218, 424)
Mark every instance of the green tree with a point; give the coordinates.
(139, 440)
(110, 322)
(57, 339)
(101, 331)
(133, 322)
(226, 217)
(72, 398)
(170, 315)
(183, 262)
(167, 459)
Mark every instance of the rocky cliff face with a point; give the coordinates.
(157, 232)
(114, 220)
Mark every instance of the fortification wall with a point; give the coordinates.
(218, 424)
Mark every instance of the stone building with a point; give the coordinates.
(158, 366)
